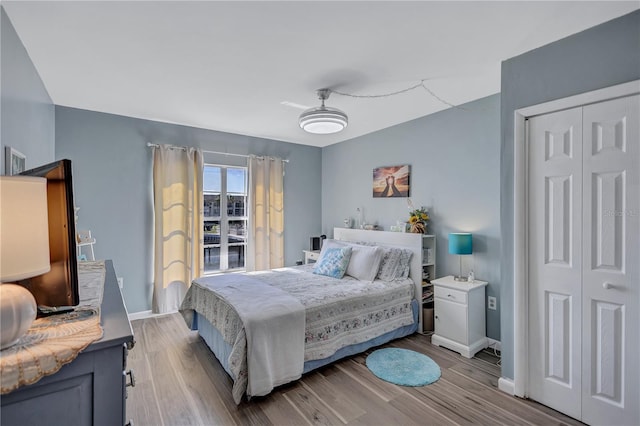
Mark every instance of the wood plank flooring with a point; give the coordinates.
(180, 382)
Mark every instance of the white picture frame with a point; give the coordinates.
(15, 161)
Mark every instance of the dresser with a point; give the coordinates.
(91, 390)
(459, 315)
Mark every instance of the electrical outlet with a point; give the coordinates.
(120, 282)
(492, 303)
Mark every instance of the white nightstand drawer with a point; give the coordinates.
(311, 256)
(451, 294)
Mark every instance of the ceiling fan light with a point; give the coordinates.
(323, 120)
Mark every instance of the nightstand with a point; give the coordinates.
(459, 315)
(311, 256)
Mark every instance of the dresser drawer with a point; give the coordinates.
(451, 294)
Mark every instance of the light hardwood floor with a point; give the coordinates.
(179, 382)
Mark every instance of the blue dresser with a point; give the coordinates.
(91, 390)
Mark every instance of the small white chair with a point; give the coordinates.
(84, 239)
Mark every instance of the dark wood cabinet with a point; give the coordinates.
(91, 390)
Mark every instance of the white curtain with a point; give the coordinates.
(178, 202)
(265, 248)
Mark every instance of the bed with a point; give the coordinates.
(267, 328)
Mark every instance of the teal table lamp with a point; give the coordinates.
(460, 243)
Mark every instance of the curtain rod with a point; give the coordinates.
(155, 145)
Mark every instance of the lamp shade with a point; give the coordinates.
(24, 228)
(460, 243)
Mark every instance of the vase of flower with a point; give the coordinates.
(418, 219)
(418, 228)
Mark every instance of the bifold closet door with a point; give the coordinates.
(611, 263)
(584, 261)
(555, 261)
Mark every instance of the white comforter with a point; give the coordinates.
(274, 332)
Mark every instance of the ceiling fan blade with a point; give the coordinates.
(294, 105)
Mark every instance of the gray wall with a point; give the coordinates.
(27, 115)
(599, 57)
(455, 171)
(112, 180)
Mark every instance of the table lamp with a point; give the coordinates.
(460, 243)
(24, 251)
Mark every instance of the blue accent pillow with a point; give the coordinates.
(333, 262)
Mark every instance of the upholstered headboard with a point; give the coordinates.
(408, 241)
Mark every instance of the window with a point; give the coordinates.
(225, 218)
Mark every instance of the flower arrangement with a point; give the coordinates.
(418, 218)
(419, 215)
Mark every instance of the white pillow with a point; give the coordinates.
(364, 262)
(395, 263)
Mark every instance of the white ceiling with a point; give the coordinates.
(233, 66)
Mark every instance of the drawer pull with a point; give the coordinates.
(132, 378)
(449, 295)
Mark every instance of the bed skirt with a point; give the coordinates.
(222, 350)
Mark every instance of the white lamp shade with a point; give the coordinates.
(24, 227)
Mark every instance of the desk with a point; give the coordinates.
(90, 390)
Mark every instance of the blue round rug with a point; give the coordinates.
(403, 367)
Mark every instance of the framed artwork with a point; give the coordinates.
(15, 161)
(391, 181)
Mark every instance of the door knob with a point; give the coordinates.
(607, 285)
(132, 378)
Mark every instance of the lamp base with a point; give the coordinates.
(17, 312)
(460, 278)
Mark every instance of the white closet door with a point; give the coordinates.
(584, 261)
(555, 260)
(611, 259)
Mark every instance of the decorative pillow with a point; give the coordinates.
(389, 265)
(404, 265)
(333, 261)
(329, 243)
(395, 264)
(365, 260)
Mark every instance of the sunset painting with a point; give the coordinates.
(391, 181)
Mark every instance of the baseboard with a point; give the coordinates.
(494, 344)
(506, 386)
(140, 315)
(147, 314)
